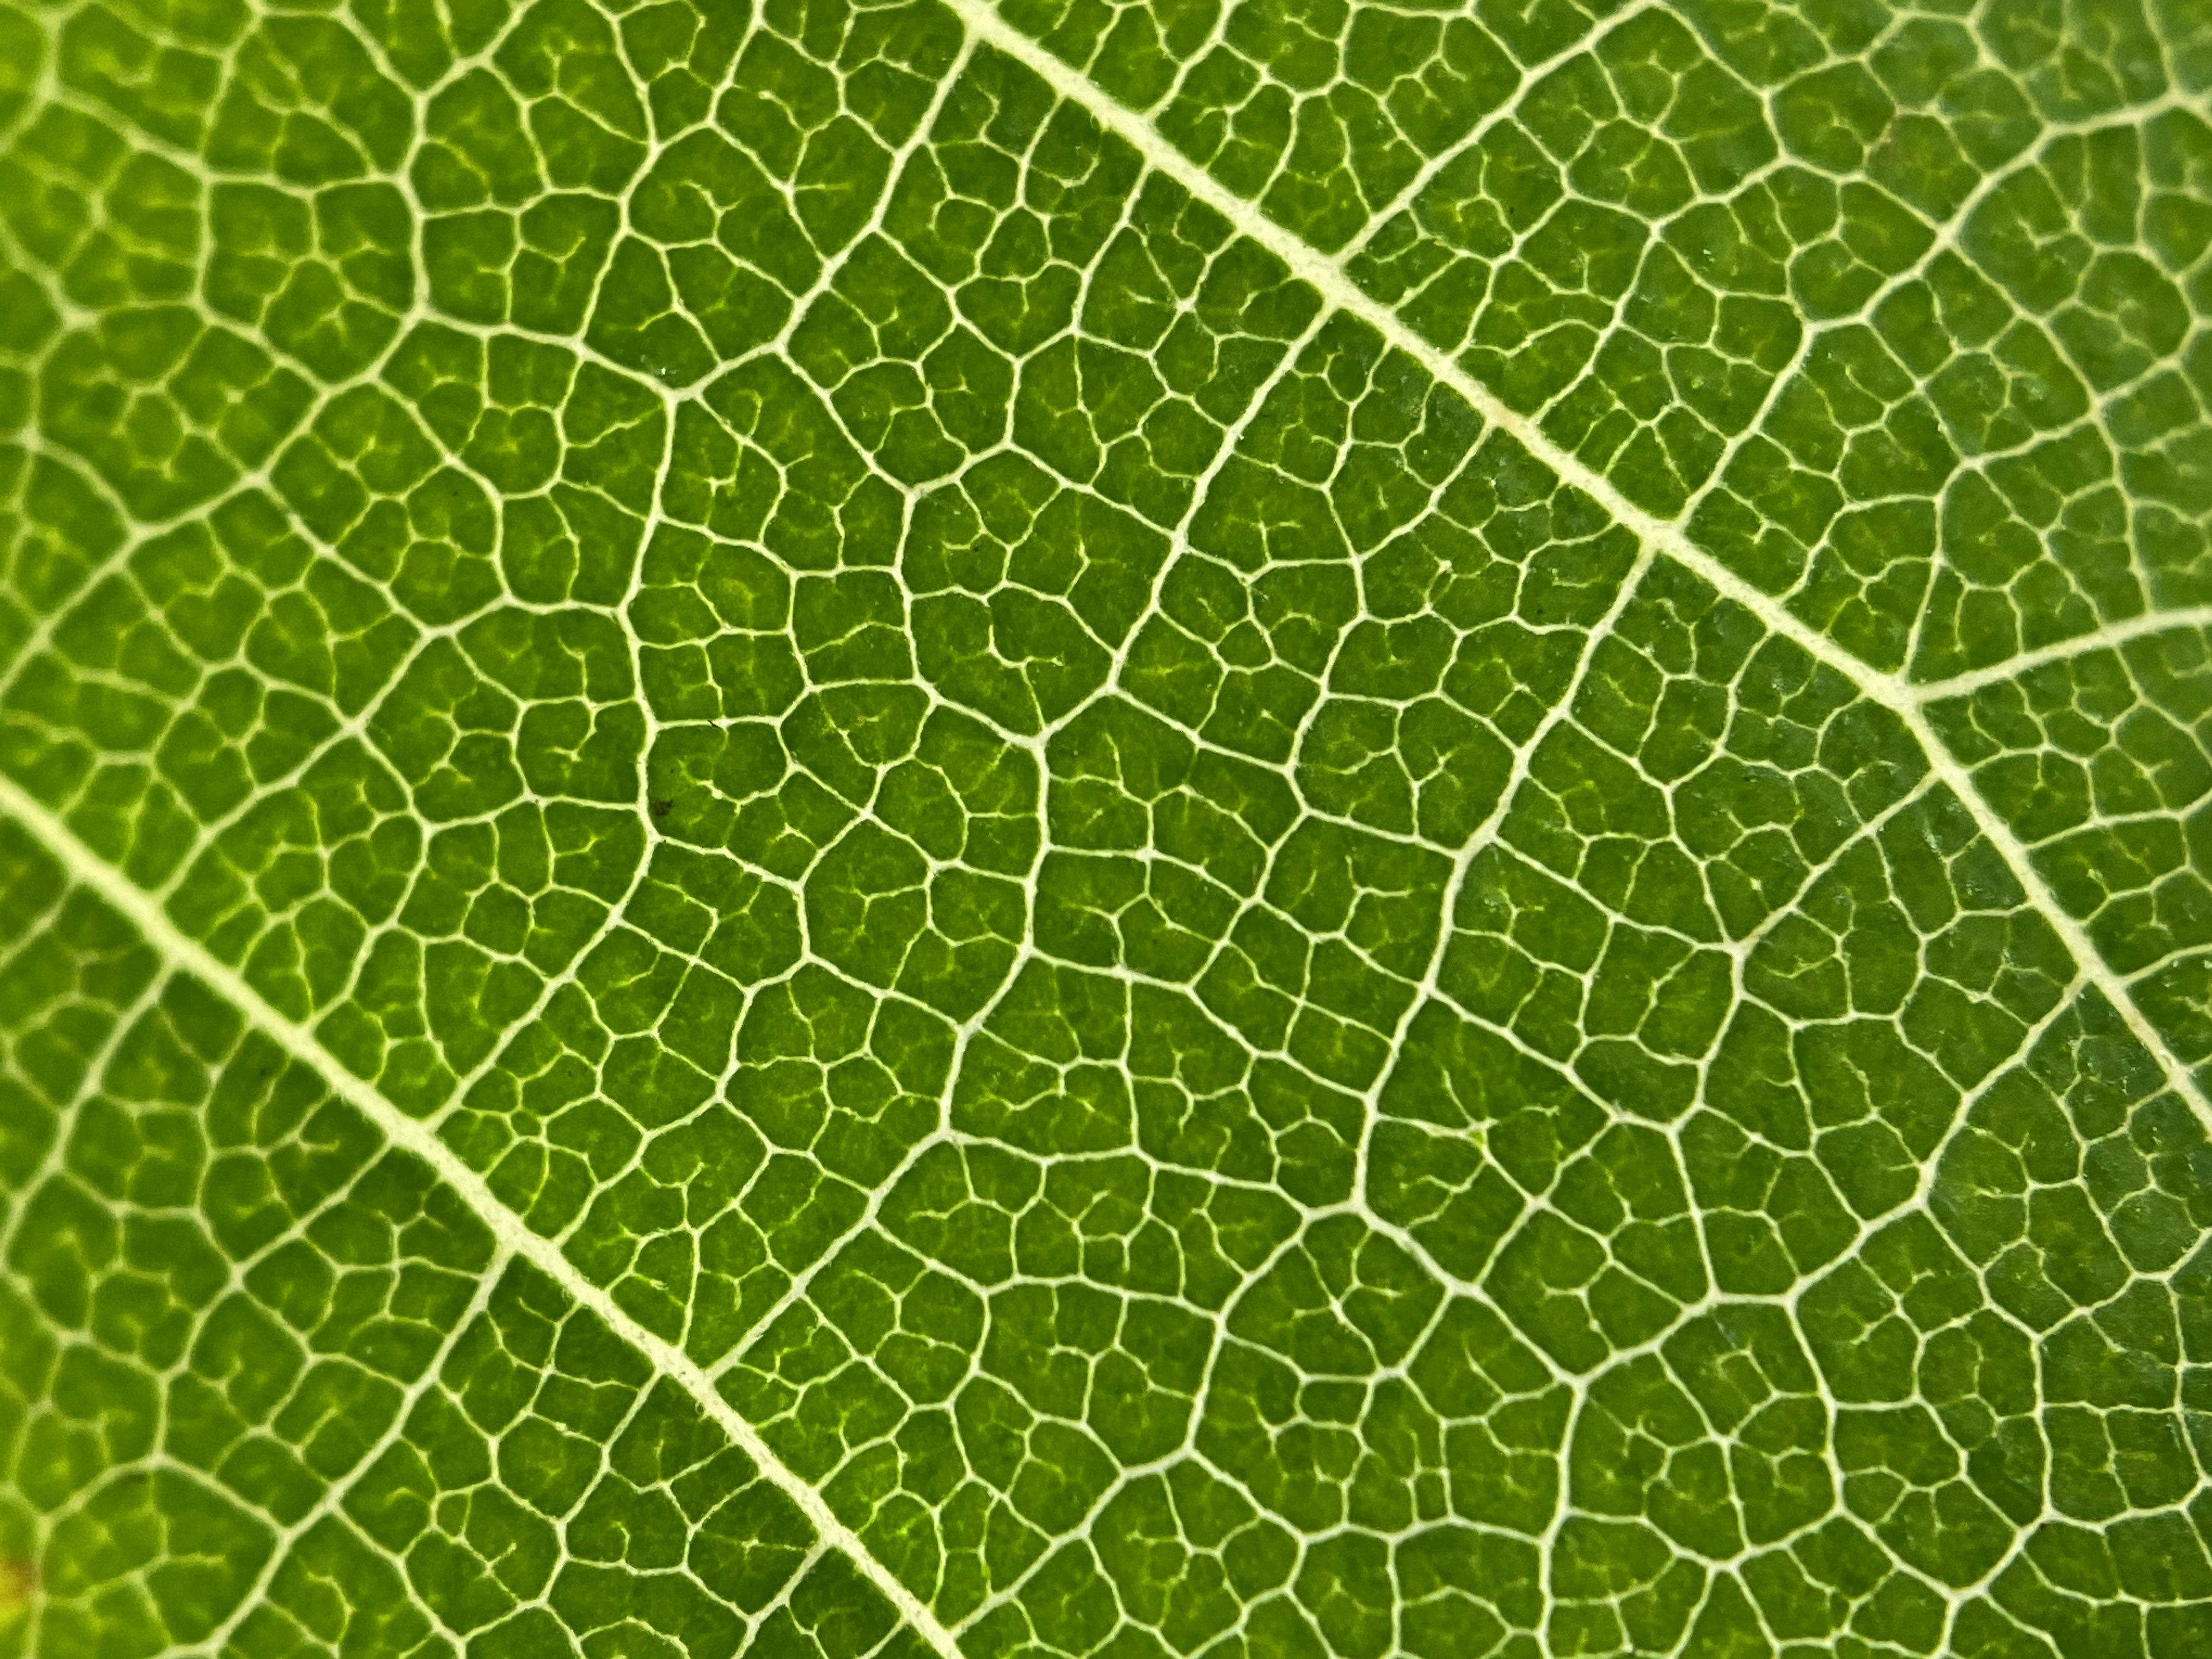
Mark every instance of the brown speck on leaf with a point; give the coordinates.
(662, 807)
(19, 1583)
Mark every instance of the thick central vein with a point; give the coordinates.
(1328, 279)
(183, 953)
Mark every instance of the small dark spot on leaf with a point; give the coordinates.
(19, 1583)
(662, 807)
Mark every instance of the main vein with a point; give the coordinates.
(184, 953)
(1327, 278)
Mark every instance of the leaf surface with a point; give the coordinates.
(1104, 830)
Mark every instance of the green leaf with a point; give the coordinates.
(1058, 830)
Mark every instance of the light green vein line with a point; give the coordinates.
(188, 955)
(1327, 278)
